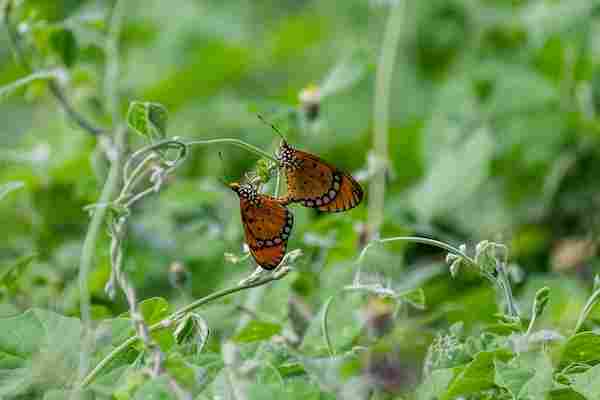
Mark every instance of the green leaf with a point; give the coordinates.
(588, 383)
(181, 371)
(155, 389)
(565, 394)
(154, 310)
(68, 395)
(436, 384)
(12, 273)
(415, 297)
(541, 383)
(64, 43)
(583, 348)
(148, 119)
(478, 375)
(512, 375)
(257, 330)
(9, 187)
(47, 346)
(527, 376)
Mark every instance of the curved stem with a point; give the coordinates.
(237, 143)
(586, 310)
(163, 144)
(165, 323)
(417, 239)
(325, 328)
(381, 107)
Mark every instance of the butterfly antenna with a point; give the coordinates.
(264, 121)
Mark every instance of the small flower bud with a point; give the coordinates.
(541, 300)
(455, 267)
(450, 258)
(178, 274)
(310, 101)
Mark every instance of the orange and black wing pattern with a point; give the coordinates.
(317, 184)
(267, 225)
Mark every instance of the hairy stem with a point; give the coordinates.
(167, 322)
(89, 245)
(383, 80)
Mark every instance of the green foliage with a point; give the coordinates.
(148, 119)
(256, 331)
(493, 133)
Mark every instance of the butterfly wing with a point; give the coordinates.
(317, 184)
(267, 227)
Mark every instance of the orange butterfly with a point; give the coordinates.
(267, 225)
(315, 183)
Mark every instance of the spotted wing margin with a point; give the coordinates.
(267, 228)
(349, 195)
(318, 184)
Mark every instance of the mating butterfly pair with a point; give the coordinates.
(312, 182)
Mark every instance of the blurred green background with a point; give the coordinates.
(494, 134)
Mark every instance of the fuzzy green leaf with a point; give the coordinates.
(435, 385)
(581, 348)
(588, 383)
(257, 330)
(478, 375)
(148, 119)
(46, 348)
(415, 297)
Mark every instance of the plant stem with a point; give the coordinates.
(586, 310)
(89, 245)
(324, 326)
(35, 76)
(235, 142)
(422, 240)
(165, 323)
(111, 73)
(383, 80)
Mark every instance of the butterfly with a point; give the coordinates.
(267, 225)
(315, 183)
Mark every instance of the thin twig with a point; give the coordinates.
(35, 76)
(589, 305)
(383, 80)
(324, 326)
(111, 73)
(168, 321)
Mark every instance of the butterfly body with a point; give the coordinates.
(316, 184)
(267, 225)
